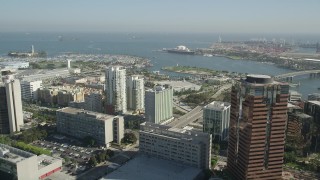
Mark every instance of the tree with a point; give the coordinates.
(89, 141)
(129, 138)
(93, 161)
(110, 153)
(289, 157)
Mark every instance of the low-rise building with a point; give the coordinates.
(80, 123)
(22, 165)
(14, 64)
(180, 86)
(60, 95)
(66, 96)
(314, 97)
(29, 90)
(294, 96)
(48, 95)
(47, 74)
(184, 146)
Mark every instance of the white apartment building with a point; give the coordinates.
(104, 128)
(192, 148)
(216, 118)
(116, 90)
(135, 92)
(29, 89)
(159, 104)
(11, 115)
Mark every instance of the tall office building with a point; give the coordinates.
(11, 116)
(312, 108)
(135, 93)
(29, 89)
(257, 128)
(216, 118)
(159, 104)
(116, 90)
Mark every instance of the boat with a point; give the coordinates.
(207, 55)
(180, 50)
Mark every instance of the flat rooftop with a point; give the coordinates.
(44, 160)
(217, 105)
(315, 102)
(14, 155)
(145, 167)
(174, 133)
(178, 85)
(97, 115)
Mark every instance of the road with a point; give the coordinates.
(196, 113)
(223, 88)
(187, 118)
(179, 108)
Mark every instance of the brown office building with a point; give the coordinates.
(257, 128)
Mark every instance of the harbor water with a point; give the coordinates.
(148, 46)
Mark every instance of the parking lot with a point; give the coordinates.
(72, 150)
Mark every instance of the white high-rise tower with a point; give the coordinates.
(159, 104)
(32, 50)
(69, 63)
(116, 90)
(11, 116)
(135, 92)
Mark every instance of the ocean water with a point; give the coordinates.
(148, 45)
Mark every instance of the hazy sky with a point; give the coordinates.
(224, 16)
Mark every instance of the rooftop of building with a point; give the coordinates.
(13, 62)
(175, 133)
(159, 88)
(259, 79)
(99, 116)
(12, 154)
(177, 85)
(314, 94)
(291, 92)
(146, 167)
(293, 106)
(315, 102)
(115, 68)
(217, 105)
(302, 115)
(44, 160)
(136, 76)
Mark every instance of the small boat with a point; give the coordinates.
(207, 55)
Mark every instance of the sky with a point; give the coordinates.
(196, 16)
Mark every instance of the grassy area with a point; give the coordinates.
(63, 64)
(176, 111)
(30, 148)
(191, 70)
(234, 57)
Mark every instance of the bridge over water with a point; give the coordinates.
(312, 73)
